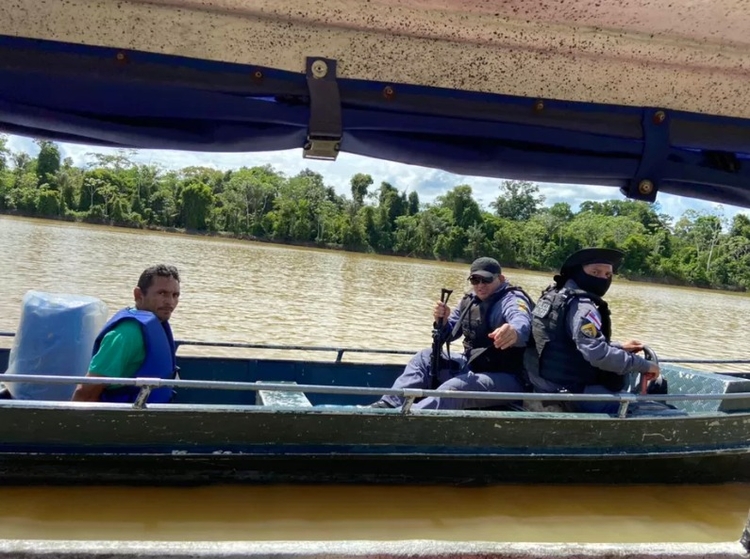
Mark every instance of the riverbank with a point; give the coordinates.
(264, 293)
(660, 280)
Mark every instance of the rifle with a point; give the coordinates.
(437, 341)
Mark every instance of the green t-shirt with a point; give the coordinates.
(121, 352)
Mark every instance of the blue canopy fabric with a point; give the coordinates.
(108, 97)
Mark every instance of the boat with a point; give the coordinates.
(578, 92)
(286, 420)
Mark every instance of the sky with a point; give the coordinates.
(428, 183)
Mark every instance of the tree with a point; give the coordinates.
(21, 163)
(391, 205)
(643, 212)
(163, 206)
(25, 194)
(518, 200)
(303, 209)
(197, 203)
(413, 208)
(248, 196)
(360, 183)
(121, 160)
(460, 202)
(353, 235)
(477, 243)
(561, 212)
(702, 231)
(4, 152)
(48, 160)
(740, 226)
(49, 202)
(69, 181)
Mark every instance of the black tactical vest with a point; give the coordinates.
(560, 361)
(474, 322)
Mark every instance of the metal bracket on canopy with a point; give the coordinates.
(325, 130)
(645, 184)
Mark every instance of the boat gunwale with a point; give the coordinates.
(365, 549)
(146, 384)
(407, 393)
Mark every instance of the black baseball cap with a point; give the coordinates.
(485, 267)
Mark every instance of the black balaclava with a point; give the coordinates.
(592, 284)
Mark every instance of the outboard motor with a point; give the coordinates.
(55, 336)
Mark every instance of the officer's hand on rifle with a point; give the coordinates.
(441, 312)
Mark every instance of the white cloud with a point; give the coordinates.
(429, 183)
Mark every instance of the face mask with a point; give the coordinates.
(592, 284)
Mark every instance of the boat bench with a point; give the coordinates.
(687, 381)
(281, 398)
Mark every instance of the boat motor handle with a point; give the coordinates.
(650, 355)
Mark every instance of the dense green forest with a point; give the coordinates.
(262, 203)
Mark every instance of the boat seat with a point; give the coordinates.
(690, 381)
(282, 398)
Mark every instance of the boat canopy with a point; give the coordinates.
(644, 95)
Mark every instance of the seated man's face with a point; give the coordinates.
(160, 298)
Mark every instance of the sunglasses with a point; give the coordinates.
(476, 280)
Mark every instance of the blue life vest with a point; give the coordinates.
(160, 361)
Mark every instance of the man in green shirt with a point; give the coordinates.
(121, 352)
(137, 342)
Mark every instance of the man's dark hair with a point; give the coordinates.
(147, 277)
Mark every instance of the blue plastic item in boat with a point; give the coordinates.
(55, 337)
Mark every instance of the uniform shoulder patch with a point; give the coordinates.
(589, 330)
(594, 318)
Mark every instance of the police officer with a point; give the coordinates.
(572, 334)
(495, 321)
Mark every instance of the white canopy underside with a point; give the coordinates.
(691, 55)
